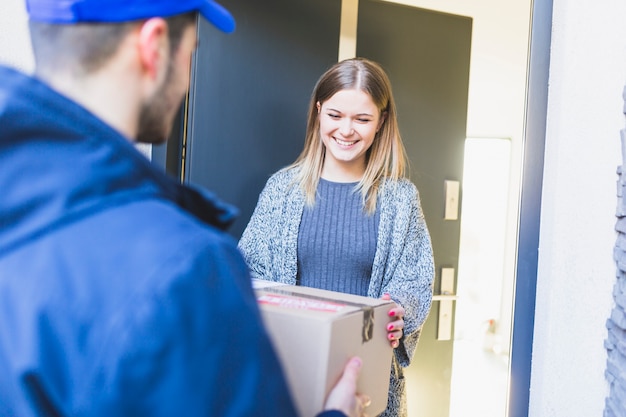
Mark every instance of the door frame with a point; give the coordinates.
(530, 208)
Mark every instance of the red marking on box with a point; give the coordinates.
(300, 303)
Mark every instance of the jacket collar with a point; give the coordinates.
(59, 160)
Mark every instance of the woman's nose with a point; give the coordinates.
(346, 128)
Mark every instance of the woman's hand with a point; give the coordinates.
(395, 328)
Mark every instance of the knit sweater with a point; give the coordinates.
(337, 240)
(403, 263)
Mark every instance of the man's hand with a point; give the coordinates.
(344, 397)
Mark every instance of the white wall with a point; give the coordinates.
(576, 269)
(15, 49)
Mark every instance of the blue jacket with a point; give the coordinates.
(119, 293)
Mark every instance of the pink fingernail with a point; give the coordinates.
(390, 336)
(390, 327)
(392, 313)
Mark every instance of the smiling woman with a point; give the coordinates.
(344, 217)
(352, 101)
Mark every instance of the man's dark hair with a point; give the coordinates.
(86, 47)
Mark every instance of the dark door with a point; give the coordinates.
(246, 114)
(427, 56)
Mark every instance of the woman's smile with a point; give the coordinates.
(349, 121)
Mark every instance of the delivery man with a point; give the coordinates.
(120, 294)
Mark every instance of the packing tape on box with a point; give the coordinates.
(314, 302)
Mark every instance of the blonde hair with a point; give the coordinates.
(386, 158)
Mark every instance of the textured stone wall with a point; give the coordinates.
(616, 342)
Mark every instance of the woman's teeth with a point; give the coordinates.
(344, 142)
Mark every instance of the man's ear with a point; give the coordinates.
(153, 45)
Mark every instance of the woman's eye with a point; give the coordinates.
(363, 120)
(333, 116)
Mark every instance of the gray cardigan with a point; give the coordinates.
(403, 263)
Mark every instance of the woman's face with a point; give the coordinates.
(349, 121)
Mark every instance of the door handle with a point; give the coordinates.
(445, 297)
(444, 325)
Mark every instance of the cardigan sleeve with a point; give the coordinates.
(256, 238)
(409, 272)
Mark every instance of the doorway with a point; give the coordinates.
(481, 350)
(533, 126)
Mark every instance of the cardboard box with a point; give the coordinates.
(315, 332)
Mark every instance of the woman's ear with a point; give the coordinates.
(319, 107)
(383, 117)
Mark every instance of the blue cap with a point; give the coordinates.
(76, 11)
